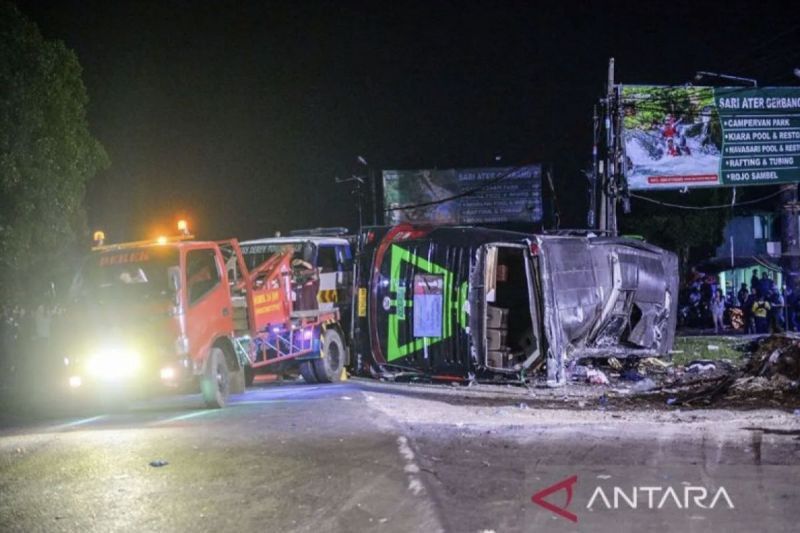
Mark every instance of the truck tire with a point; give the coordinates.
(328, 368)
(237, 382)
(249, 375)
(307, 371)
(215, 383)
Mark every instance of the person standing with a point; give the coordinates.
(742, 295)
(749, 322)
(717, 310)
(761, 309)
(765, 285)
(789, 301)
(775, 300)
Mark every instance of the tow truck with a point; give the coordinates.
(180, 314)
(320, 265)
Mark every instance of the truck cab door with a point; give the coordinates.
(344, 277)
(327, 263)
(208, 304)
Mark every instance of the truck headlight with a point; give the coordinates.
(113, 363)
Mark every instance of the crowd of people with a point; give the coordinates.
(761, 307)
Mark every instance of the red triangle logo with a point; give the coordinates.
(566, 484)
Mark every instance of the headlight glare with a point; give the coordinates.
(113, 363)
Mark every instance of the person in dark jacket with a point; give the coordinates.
(749, 322)
(765, 285)
(742, 295)
(775, 314)
(790, 301)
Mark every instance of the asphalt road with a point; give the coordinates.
(364, 456)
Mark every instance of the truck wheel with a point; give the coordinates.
(328, 367)
(237, 382)
(307, 371)
(215, 383)
(249, 375)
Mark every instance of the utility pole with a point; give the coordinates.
(374, 196)
(358, 182)
(790, 236)
(373, 191)
(608, 185)
(591, 216)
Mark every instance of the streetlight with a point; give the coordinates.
(700, 74)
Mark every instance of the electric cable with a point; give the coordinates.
(704, 207)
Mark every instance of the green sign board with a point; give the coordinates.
(677, 137)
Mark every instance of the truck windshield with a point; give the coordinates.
(127, 273)
(255, 254)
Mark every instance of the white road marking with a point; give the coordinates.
(183, 417)
(271, 398)
(81, 422)
(274, 395)
(414, 483)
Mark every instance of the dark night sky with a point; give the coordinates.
(239, 115)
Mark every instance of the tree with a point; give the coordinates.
(47, 156)
(693, 234)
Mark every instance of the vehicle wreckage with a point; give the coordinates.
(467, 302)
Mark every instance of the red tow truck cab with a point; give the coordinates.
(153, 314)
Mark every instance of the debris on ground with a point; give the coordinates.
(577, 372)
(766, 372)
(596, 377)
(631, 375)
(699, 367)
(776, 355)
(654, 366)
(644, 385)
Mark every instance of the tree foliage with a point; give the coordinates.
(47, 155)
(693, 234)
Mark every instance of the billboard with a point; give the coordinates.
(482, 195)
(677, 137)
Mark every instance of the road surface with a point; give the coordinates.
(367, 456)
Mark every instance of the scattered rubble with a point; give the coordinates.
(646, 384)
(770, 374)
(596, 377)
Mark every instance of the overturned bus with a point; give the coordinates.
(468, 302)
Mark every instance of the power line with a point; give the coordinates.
(705, 207)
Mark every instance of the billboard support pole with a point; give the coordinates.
(591, 217)
(608, 188)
